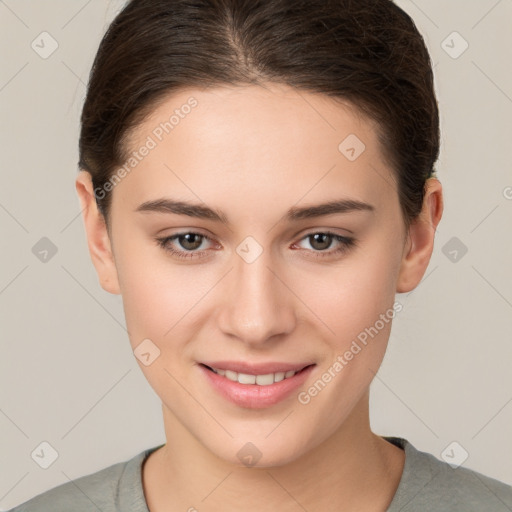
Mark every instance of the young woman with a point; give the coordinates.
(257, 182)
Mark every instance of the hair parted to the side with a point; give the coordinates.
(368, 53)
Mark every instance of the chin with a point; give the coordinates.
(254, 452)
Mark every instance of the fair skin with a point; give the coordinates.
(288, 305)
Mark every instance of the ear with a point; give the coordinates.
(420, 238)
(98, 238)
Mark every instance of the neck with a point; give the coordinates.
(353, 469)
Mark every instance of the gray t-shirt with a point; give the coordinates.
(427, 484)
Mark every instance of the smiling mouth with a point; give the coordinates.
(260, 380)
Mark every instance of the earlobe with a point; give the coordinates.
(98, 239)
(420, 242)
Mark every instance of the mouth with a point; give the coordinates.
(262, 379)
(256, 387)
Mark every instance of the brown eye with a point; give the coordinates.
(320, 241)
(184, 245)
(190, 241)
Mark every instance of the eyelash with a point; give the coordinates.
(346, 244)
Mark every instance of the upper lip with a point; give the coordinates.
(255, 368)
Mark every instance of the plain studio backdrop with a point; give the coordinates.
(68, 375)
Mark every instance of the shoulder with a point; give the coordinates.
(430, 484)
(116, 487)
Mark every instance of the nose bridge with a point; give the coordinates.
(258, 305)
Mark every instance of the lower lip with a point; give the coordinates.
(254, 396)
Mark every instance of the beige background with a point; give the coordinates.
(68, 376)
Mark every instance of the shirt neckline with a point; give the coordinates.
(142, 505)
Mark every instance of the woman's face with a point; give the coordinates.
(257, 285)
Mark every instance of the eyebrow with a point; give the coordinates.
(167, 205)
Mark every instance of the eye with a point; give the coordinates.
(322, 240)
(191, 241)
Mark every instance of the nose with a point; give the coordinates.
(258, 306)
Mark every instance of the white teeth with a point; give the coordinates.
(265, 380)
(261, 380)
(244, 378)
(230, 375)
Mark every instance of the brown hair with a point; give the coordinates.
(366, 52)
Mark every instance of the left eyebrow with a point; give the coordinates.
(329, 208)
(201, 211)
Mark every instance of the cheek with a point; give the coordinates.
(167, 303)
(350, 296)
(357, 302)
(148, 305)
(158, 305)
(156, 294)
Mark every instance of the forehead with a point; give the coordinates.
(252, 145)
